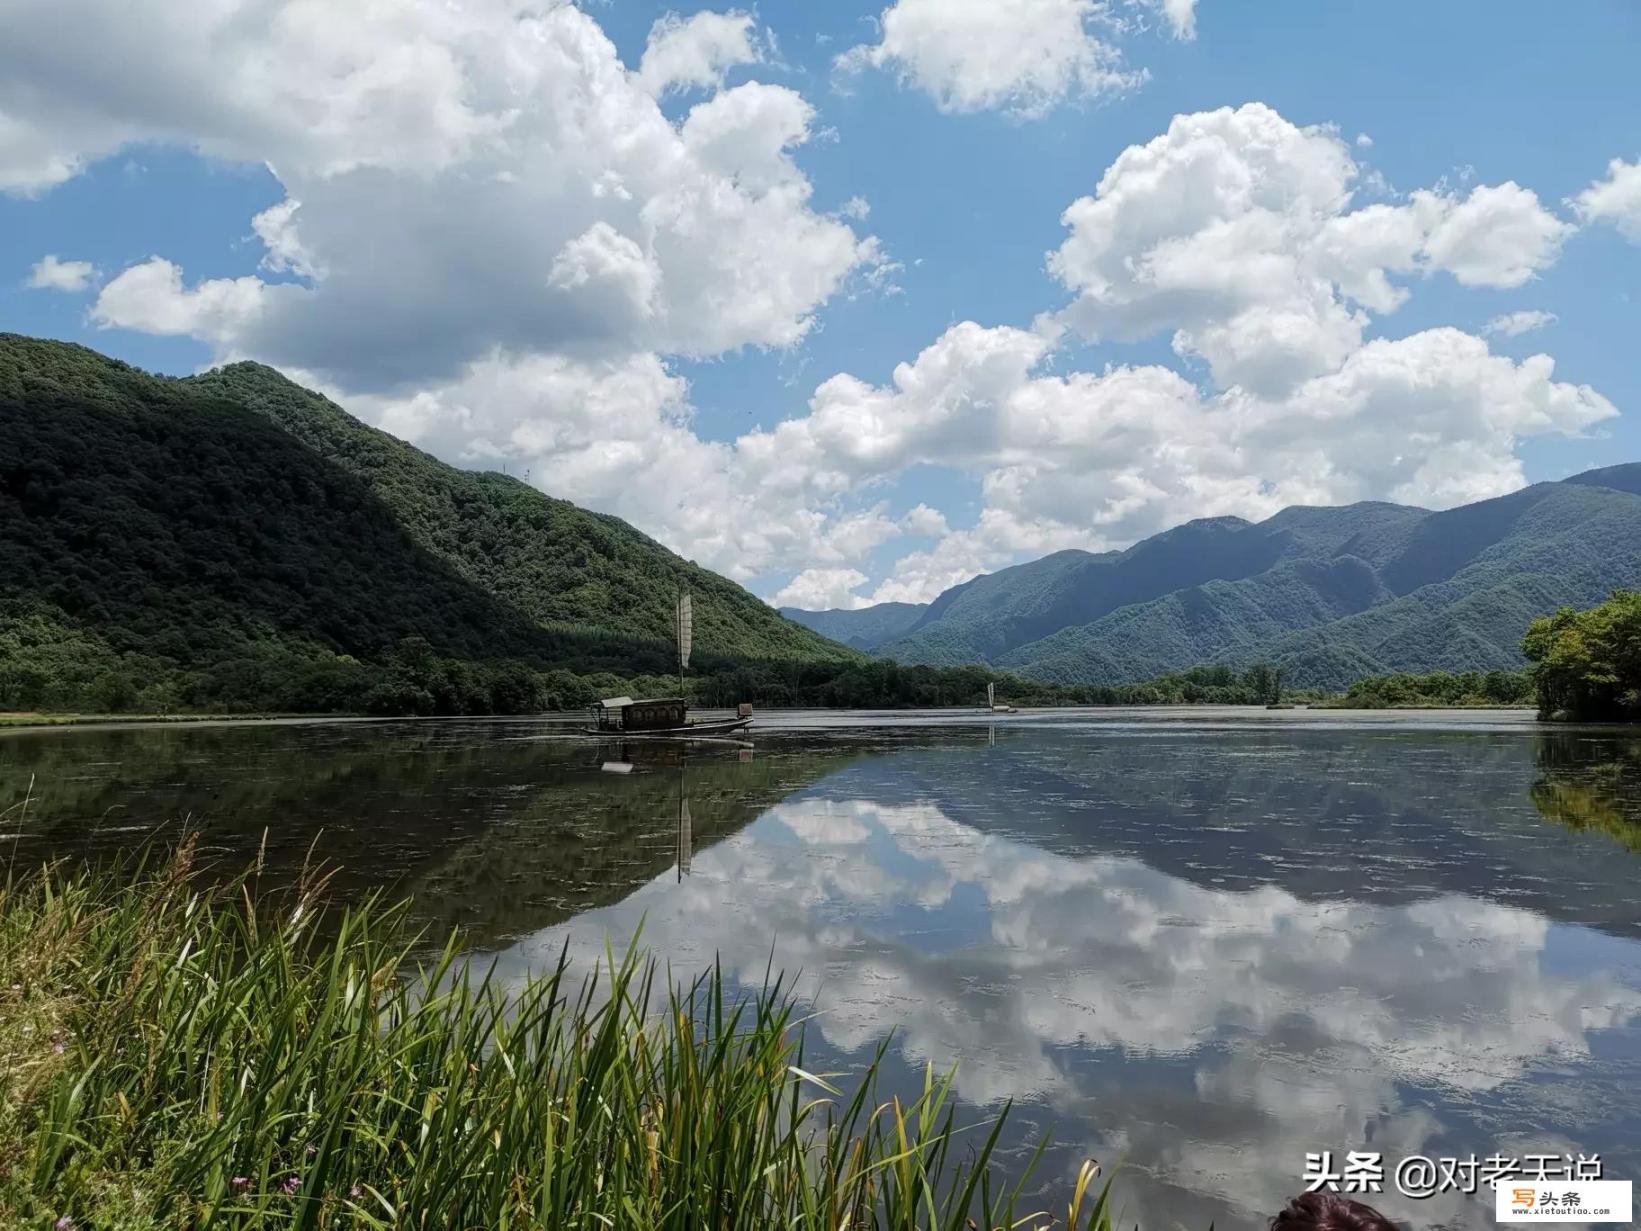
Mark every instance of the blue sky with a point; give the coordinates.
(640, 288)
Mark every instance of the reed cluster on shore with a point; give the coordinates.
(174, 1055)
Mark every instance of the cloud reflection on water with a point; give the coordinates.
(1212, 1036)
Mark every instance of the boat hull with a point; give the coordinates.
(691, 730)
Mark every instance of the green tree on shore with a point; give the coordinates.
(1440, 689)
(1587, 664)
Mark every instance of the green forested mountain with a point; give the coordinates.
(1205, 623)
(553, 562)
(1548, 546)
(864, 628)
(1329, 594)
(991, 617)
(232, 540)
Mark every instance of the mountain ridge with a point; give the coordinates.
(887, 620)
(1330, 593)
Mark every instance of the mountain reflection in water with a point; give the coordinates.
(1202, 953)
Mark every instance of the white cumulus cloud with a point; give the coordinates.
(1514, 324)
(313, 87)
(53, 274)
(541, 200)
(822, 589)
(1615, 200)
(1499, 236)
(1235, 232)
(1181, 15)
(695, 52)
(857, 208)
(1020, 56)
(151, 297)
(925, 521)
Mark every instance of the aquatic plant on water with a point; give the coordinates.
(173, 1055)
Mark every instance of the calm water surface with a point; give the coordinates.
(1200, 943)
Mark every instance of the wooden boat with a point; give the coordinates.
(662, 717)
(657, 718)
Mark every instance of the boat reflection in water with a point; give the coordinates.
(648, 757)
(683, 835)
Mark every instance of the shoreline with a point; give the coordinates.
(33, 721)
(793, 718)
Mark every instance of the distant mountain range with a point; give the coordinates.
(1331, 594)
(864, 629)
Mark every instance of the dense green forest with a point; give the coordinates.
(1437, 689)
(1587, 664)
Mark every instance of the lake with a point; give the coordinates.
(1199, 944)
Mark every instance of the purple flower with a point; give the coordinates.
(291, 1184)
(65, 1223)
(356, 1192)
(240, 1183)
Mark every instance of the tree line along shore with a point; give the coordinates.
(1583, 665)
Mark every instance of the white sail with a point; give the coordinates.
(991, 696)
(686, 630)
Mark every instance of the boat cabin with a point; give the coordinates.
(624, 714)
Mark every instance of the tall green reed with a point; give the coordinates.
(174, 1055)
